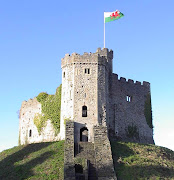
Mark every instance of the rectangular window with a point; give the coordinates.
(87, 71)
(84, 111)
(129, 98)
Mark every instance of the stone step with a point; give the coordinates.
(92, 172)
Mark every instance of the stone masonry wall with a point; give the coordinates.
(67, 97)
(69, 170)
(103, 156)
(126, 114)
(85, 83)
(28, 132)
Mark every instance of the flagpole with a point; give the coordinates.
(104, 29)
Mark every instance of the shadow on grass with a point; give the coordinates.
(8, 169)
(127, 170)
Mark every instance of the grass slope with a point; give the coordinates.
(132, 161)
(135, 161)
(34, 161)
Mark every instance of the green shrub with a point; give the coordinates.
(42, 96)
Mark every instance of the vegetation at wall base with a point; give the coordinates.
(133, 161)
(51, 105)
(34, 161)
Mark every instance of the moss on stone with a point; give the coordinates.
(132, 131)
(148, 110)
(81, 161)
(40, 122)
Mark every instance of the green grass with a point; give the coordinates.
(133, 161)
(45, 161)
(34, 161)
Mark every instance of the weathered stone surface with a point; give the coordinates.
(103, 155)
(69, 170)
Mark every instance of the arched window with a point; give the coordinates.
(30, 133)
(84, 111)
(84, 134)
(64, 74)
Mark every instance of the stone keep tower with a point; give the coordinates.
(85, 91)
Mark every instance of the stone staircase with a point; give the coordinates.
(87, 160)
(86, 151)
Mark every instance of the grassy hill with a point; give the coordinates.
(135, 161)
(46, 160)
(34, 161)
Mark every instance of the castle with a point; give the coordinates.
(96, 107)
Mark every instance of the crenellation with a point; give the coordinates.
(130, 81)
(122, 79)
(146, 84)
(101, 56)
(138, 83)
(115, 76)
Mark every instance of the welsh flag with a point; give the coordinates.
(112, 16)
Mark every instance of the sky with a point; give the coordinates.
(36, 34)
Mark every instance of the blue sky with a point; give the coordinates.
(36, 34)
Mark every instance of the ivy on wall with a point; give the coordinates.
(148, 110)
(132, 131)
(40, 122)
(51, 106)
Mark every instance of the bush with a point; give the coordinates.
(42, 96)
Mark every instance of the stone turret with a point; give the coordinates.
(85, 90)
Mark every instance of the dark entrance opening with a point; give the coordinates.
(84, 134)
(78, 168)
(30, 133)
(79, 172)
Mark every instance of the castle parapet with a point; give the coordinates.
(101, 56)
(130, 81)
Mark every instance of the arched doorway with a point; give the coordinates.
(84, 134)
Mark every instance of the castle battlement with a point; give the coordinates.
(130, 81)
(101, 56)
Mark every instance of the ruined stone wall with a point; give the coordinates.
(127, 104)
(28, 132)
